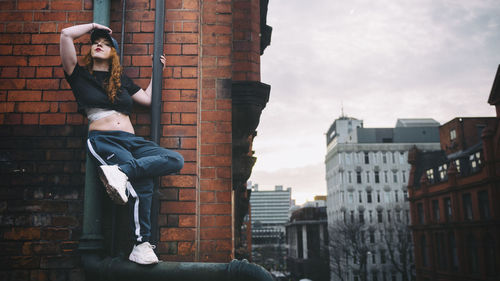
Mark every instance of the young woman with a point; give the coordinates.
(127, 163)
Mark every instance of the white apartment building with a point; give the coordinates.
(367, 173)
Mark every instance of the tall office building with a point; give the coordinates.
(367, 176)
(269, 214)
(270, 207)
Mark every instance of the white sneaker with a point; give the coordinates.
(115, 182)
(143, 254)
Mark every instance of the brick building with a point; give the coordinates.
(211, 99)
(455, 221)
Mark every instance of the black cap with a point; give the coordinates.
(102, 33)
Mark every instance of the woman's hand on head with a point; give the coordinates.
(100, 26)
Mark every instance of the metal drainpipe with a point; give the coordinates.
(156, 104)
(92, 238)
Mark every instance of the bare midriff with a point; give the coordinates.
(114, 122)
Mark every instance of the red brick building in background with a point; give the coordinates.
(212, 98)
(454, 195)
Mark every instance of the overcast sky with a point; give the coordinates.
(382, 60)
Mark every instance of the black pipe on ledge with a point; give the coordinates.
(110, 269)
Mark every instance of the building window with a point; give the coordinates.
(430, 175)
(361, 216)
(377, 177)
(352, 216)
(369, 196)
(395, 177)
(404, 176)
(396, 195)
(387, 197)
(384, 158)
(398, 215)
(367, 176)
(385, 177)
(358, 177)
(367, 158)
(350, 198)
(475, 161)
(350, 176)
(382, 257)
(406, 196)
(453, 134)
(420, 213)
(441, 255)
(457, 164)
(467, 201)
(374, 260)
(370, 216)
(484, 204)
(372, 236)
(435, 210)
(393, 157)
(471, 248)
(489, 255)
(379, 216)
(443, 172)
(360, 195)
(378, 196)
(453, 251)
(448, 214)
(388, 215)
(423, 248)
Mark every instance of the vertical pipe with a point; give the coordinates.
(156, 103)
(101, 11)
(92, 238)
(157, 70)
(122, 39)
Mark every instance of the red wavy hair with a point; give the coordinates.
(112, 86)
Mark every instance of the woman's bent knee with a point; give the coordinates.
(179, 162)
(175, 161)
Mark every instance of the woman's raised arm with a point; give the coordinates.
(67, 47)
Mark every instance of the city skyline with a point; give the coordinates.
(396, 57)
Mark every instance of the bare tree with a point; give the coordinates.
(349, 249)
(399, 244)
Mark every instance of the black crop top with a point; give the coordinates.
(89, 92)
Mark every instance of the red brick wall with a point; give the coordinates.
(207, 43)
(467, 133)
(246, 40)
(215, 195)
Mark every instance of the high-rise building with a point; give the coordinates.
(367, 176)
(269, 214)
(270, 207)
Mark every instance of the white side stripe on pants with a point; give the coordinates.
(130, 189)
